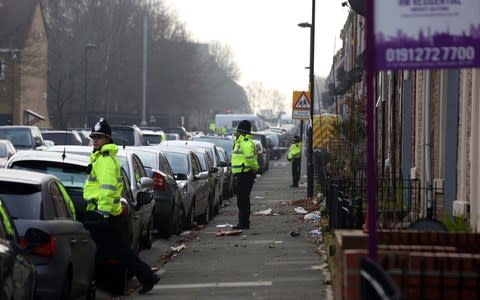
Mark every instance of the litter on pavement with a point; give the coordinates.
(315, 232)
(265, 212)
(228, 232)
(313, 216)
(259, 197)
(178, 248)
(224, 225)
(300, 210)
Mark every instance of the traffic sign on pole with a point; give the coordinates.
(301, 105)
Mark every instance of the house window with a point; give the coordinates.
(2, 69)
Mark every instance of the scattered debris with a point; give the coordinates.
(315, 232)
(265, 212)
(259, 197)
(179, 248)
(224, 225)
(313, 216)
(228, 232)
(294, 233)
(300, 210)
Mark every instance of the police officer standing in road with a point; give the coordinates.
(104, 216)
(295, 156)
(244, 168)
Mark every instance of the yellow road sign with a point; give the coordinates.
(301, 105)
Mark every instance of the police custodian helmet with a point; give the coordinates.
(101, 127)
(244, 126)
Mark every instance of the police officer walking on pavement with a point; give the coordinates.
(295, 156)
(104, 216)
(244, 168)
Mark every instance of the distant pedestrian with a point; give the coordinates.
(244, 168)
(295, 156)
(105, 214)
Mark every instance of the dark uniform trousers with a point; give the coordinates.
(245, 182)
(296, 171)
(112, 244)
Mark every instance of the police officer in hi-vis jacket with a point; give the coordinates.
(104, 216)
(295, 156)
(244, 168)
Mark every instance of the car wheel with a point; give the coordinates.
(190, 218)
(147, 240)
(92, 289)
(205, 217)
(179, 225)
(66, 286)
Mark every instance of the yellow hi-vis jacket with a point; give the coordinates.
(103, 187)
(295, 151)
(244, 155)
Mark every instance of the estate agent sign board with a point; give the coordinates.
(427, 34)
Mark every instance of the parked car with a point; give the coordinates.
(181, 131)
(261, 157)
(227, 170)
(207, 166)
(192, 182)
(153, 137)
(65, 260)
(18, 277)
(169, 212)
(23, 137)
(125, 135)
(6, 150)
(71, 169)
(62, 137)
(138, 182)
(213, 153)
(172, 136)
(226, 143)
(262, 138)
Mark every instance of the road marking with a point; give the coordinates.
(213, 285)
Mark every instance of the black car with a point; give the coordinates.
(125, 135)
(17, 274)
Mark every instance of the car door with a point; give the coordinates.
(202, 185)
(132, 220)
(144, 212)
(76, 236)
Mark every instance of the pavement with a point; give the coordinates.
(277, 258)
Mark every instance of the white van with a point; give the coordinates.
(230, 121)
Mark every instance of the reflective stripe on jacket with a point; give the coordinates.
(244, 155)
(103, 187)
(295, 151)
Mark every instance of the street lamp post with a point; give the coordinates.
(85, 81)
(312, 89)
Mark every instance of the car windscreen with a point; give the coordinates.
(23, 200)
(123, 136)
(69, 174)
(61, 138)
(152, 138)
(178, 162)
(201, 158)
(227, 145)
(3, 150)
(20, 137)
(147, 158)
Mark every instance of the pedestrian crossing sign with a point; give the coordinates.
(301, 105)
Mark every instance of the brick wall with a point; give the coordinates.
(424, 265)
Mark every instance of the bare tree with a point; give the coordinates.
(223, 55)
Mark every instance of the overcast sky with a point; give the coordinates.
(267, 44)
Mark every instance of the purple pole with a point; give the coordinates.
(370, 128)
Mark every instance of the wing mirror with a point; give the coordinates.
(180, 176)
(213, 169)
(222, 164)
(144, 198)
